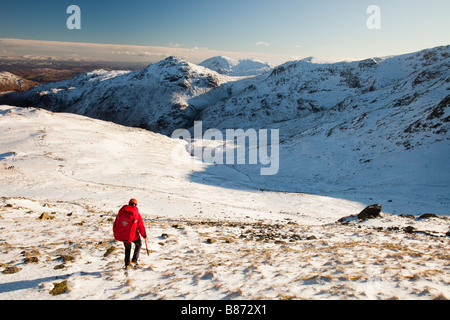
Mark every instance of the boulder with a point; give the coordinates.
(428, 215)
(11, 270)
(45, 216)
(59, 288)
(66, 257)
(32, 259)
(371, 212)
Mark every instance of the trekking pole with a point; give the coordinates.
(146, 246)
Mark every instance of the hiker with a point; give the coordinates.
(128, 228)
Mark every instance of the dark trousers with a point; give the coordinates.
(137, 248)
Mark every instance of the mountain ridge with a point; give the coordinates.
(173, 93)
(233, 67)
(370, 129)
(153, 98)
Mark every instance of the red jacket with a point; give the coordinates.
(128, 225)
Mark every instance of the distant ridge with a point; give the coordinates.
(233, 67)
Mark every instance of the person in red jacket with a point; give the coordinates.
(128, 228)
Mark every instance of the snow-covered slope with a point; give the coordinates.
(11, 82)
(233, 67)
(205, 241)
(69, 157)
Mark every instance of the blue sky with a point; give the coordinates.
(328, 29)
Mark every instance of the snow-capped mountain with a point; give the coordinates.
(360, 130)
(301, 88)
(173, 93)
(377, 128)
(233, 67)
(154, 98)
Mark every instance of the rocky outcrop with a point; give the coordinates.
(370, 212)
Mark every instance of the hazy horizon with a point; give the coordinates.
(93, 52)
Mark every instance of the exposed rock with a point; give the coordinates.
(346, 220)
(67, 257)
(370, 212)
(66, 251)
(427, 215)
(59, 288)
(234, 295)
(11, 270)
(45, 216)
(15, 83)
(33, 259)
(32, 252)
(295, 237)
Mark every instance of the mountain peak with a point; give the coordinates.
(233, 67)
(174, 59)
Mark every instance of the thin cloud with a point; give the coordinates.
(175, 45)
(262, 43)
(123, 53)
